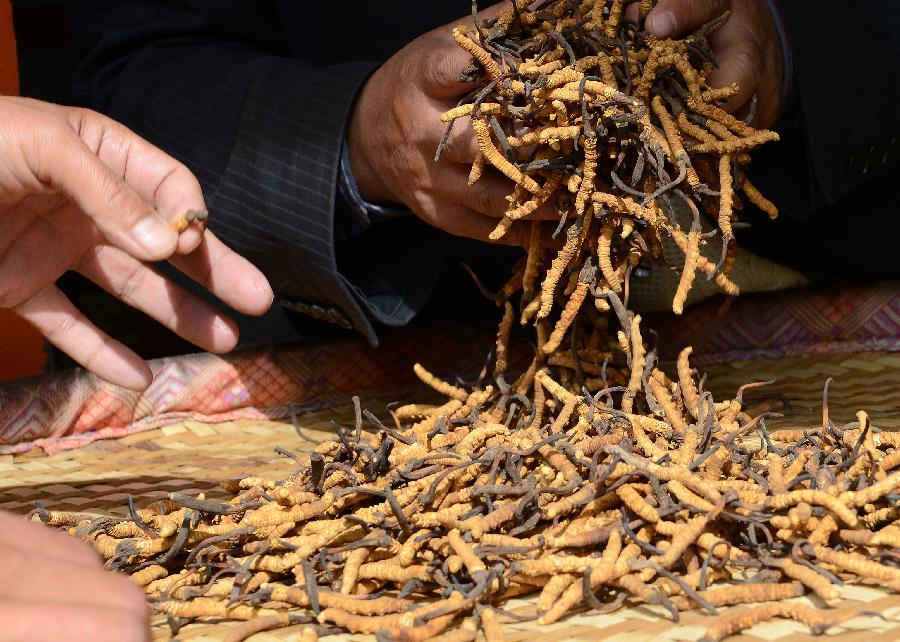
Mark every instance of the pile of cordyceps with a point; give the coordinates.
(592, 478)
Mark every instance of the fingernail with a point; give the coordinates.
(662, 24)
(152, 235)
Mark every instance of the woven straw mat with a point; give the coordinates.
(191, 458)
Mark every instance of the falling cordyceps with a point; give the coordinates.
(592, 478)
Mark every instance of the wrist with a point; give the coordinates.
(354, 214)
(362, 172)
(368, 180)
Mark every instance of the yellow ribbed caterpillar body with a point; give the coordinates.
(590, 478)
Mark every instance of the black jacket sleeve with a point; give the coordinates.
(260, 118)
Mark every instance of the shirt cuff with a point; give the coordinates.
(360, 213)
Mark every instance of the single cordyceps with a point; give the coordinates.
(592, 478)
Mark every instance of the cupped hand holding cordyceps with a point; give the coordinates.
(81, 192)
(747, 47)
(53, 587)
(396, 127)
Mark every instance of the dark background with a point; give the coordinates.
(47, 58)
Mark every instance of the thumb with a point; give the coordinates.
(678, 17)
(443, 64)
(122, 216)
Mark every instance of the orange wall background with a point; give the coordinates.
(9, 61)
(21, 346)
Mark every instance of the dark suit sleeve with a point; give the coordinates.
(843, 119)
(261, 121)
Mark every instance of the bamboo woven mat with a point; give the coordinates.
(867, 381)
(192, 457)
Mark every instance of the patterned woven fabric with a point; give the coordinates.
(788, 323)
(73, 409)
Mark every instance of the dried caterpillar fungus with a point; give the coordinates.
(591, 478)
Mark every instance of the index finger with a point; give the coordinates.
(678, 17)
(739, 61)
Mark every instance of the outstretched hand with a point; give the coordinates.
(79, 191)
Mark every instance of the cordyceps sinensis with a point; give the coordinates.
(588, 476)
(625, 125)
(507, 510)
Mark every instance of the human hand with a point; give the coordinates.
(53, 587)
(395, 129)
(81, 192)
(747, 47)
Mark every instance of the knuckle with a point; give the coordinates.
(438, 70)
(116, 191)
(426, 68)
(747, 69)
(46, 136)
(88, 125)
(53, 126)
(424, 205)
(80, 117)
(63, 328)
(132, 284)
(488, 203)
(88, 115)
